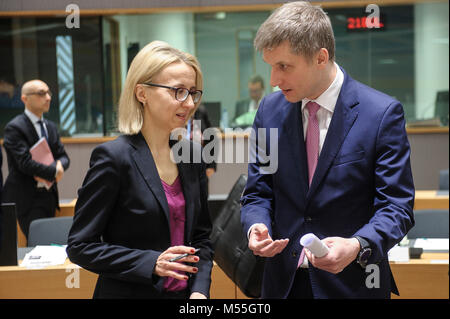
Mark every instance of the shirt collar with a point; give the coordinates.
(33, 118)
(329, 97)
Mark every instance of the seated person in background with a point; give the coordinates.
(246, 109)
(137, 209)
(10, 96)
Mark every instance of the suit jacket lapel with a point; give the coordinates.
(147, 167)
(293, 126)
(343, 118)
(30, 130)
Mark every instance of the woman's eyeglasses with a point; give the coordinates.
(181, 94)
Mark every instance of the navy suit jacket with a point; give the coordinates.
(20, 186)
(121, 222)
(362, 186)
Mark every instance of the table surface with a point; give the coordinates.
(418, 278)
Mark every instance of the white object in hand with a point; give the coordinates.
(314, 244)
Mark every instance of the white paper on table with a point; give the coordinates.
(432, 243)
(42, 256)
(398, 254)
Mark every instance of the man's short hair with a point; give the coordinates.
(306, 27)
(257, 79)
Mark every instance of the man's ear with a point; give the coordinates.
(24, 98)
(140, 93)
(322, 57)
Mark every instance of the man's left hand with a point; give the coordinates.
(59, 171)
(342, 251)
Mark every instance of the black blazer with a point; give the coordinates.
(121, 222)
(20, 185)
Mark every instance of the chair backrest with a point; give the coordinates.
(8, 232)
(214, 112)
(46, 231)
(431, 223)
(443, 179)
(230, 242)
(441, 107)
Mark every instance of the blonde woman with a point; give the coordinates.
(137, 209)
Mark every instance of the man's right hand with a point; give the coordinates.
(262, 244)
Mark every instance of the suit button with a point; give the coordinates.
(294, 254)
(308, 219)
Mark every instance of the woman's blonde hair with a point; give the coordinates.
(149, 61)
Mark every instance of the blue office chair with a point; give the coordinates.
(47, 231)
(430, 223)
(443, 179)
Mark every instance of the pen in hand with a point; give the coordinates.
(183, 255)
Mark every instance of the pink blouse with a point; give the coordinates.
(175, 199)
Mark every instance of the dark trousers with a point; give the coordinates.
(301, 288)
(44, 206)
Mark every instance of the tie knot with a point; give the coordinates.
(312, 107)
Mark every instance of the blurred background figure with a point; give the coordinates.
(25, 184)
(9, 93)
(246, 109)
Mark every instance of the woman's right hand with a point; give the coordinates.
(166, 268)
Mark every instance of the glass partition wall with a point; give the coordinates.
(68, 60)
(406, 57)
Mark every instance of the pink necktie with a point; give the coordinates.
(302, 257)
(312, 138)
(312, 149)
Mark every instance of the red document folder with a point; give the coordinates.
(40, 152)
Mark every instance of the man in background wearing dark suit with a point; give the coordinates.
(24, 185)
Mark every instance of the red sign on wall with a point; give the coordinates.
(360, 23)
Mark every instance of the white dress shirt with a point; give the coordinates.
(34, 119)
(253, 105)
(327, 101)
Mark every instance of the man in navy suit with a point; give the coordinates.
(343, 168)
(25, 184)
